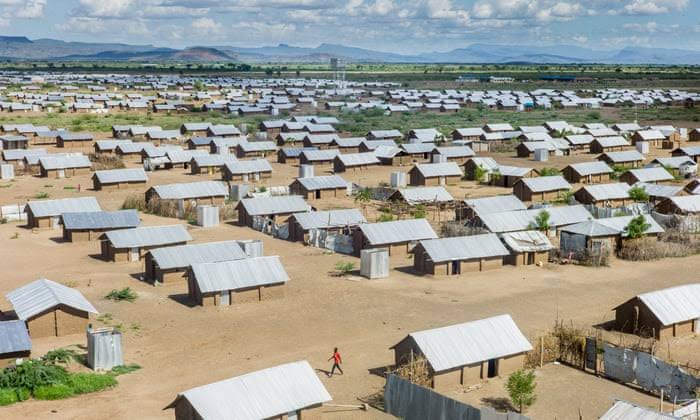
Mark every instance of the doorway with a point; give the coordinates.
(530, 258)
(317, 194)
(492, 368)
(455, 268)
(225, 298)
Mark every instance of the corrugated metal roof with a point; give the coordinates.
(432, 170)
(579, 139)
(601, 192)
(46, 208)
(191, 190)
(373, 144)
(611, 226)
(14, 337)
(674, 162)
(329, 219)
(112, 176)
(384, 134)
(357, 159)
(19, 154)
(455, 151)
(471, 342)
(184, 156)
(259, 395)
(674, 304)
(274, 205)
(660, 190)
(513, 170)
(239, 274)
(424, 195)
(320, 155)
(321, 138)
(591, 168)
(323, 182)
(243, 167)
(651, 174)
(416, 148)
(43, 294)
(257, 146)
(546, 183)
(464, 248)
(651, 135)
(213, 160)
(148, 236)
(622, 410)
(348, 141)
(624, 156)
(497, 204)
(64, 162)
(397, 231)
(101, 220)
(110, 144)
(185, 255)
(513, 221)
(688, 203)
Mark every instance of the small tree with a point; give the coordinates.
(542, 221)
(636, 227)
(549, 172)
(638, 194)
(521, 389)
(480, 174)
(363, 197)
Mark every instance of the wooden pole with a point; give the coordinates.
(661, 401)
(541, 351)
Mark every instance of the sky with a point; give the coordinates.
(399, 26)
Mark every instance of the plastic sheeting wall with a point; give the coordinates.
(335, 242)
(104, 349)
(650, 373)
(374, 263)
(207, 216)
(399, 179)
(409, 401)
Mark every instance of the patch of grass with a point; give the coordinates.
(124, 369)
(53, 392)
(41, 195)
(6, 185)
(83, 383)
(62, 356)
(69, 188)
(124, 294)
(105, 318)
(15, 236)
(344, 268)
(48, 185)
(8, 396)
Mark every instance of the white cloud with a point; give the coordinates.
(22, 9)
(654, 7)
(206, 26)
(172, 12)
(103, 8)
(580, 39)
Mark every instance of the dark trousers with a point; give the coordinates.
(335, 365)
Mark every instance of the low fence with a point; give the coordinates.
(410, 401)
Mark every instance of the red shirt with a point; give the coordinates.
(336, 358)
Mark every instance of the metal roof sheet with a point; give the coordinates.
(527, 241)
(601, 192)
(357, 159)
(14, 337)
(101, 220)
(257, 146)
(591, 168)
(674, 162)
(455, 151)
(622, 410)
(329, 219)
(611, 226)
(397, 231)
(471, 342)
(432, 170)
(688, 203)
(19, 154)
(623, 156)
(239, 274)
(261, 394)
(110, 144)
(415, 148)
(323, 182)
(213, 160)
(424, 195)
(464, 248)
(46, 208)
(651, 174)
(320, 155)
(64, 162)
(348, 141)
(184, 156)
(674, 304)
(660, 190)
(274, 205)
(185, 255)
(112, 176)
(43, 294)
(243, 167)
(512, 221)
(148, 236)
(496, 204)
(189, 190)
(546, 183)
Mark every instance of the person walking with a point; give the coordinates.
(337, 361)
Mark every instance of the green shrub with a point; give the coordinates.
(62, 356)
(53, 392)
(83, 383)
(32, 374)
(41, 195)
(124, 369)
(124, 294)
(8, 396)
(23, 394)
(344, 267)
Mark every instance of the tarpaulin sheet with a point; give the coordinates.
(619, 363)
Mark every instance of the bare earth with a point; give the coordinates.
(180, 347)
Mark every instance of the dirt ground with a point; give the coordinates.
(180, 347)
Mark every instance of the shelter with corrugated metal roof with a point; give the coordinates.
(117, 179)
(211, 164)
(623, 410)
(527, 247)
(597, 235)
(275, 209)
(47, 213)
(626, 159)
(14, 342)
(398, 236)
(169, 264)
(646, 175)
(544, 188)
(665, 313)
(247, 170)
(428, 196)
(318, 187)
(342, 221)
(50, 309)
(465, 354)
(354, 161)
(289, 391)
(62, 166)
(459, 255)
(203, 192)
(435, 174)
(238, 281)
(682, 205)
(604, 195)
(487, 205)
(89, 226)
(587, 172)
(133, 244)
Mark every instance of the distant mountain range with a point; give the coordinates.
(21, 48)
